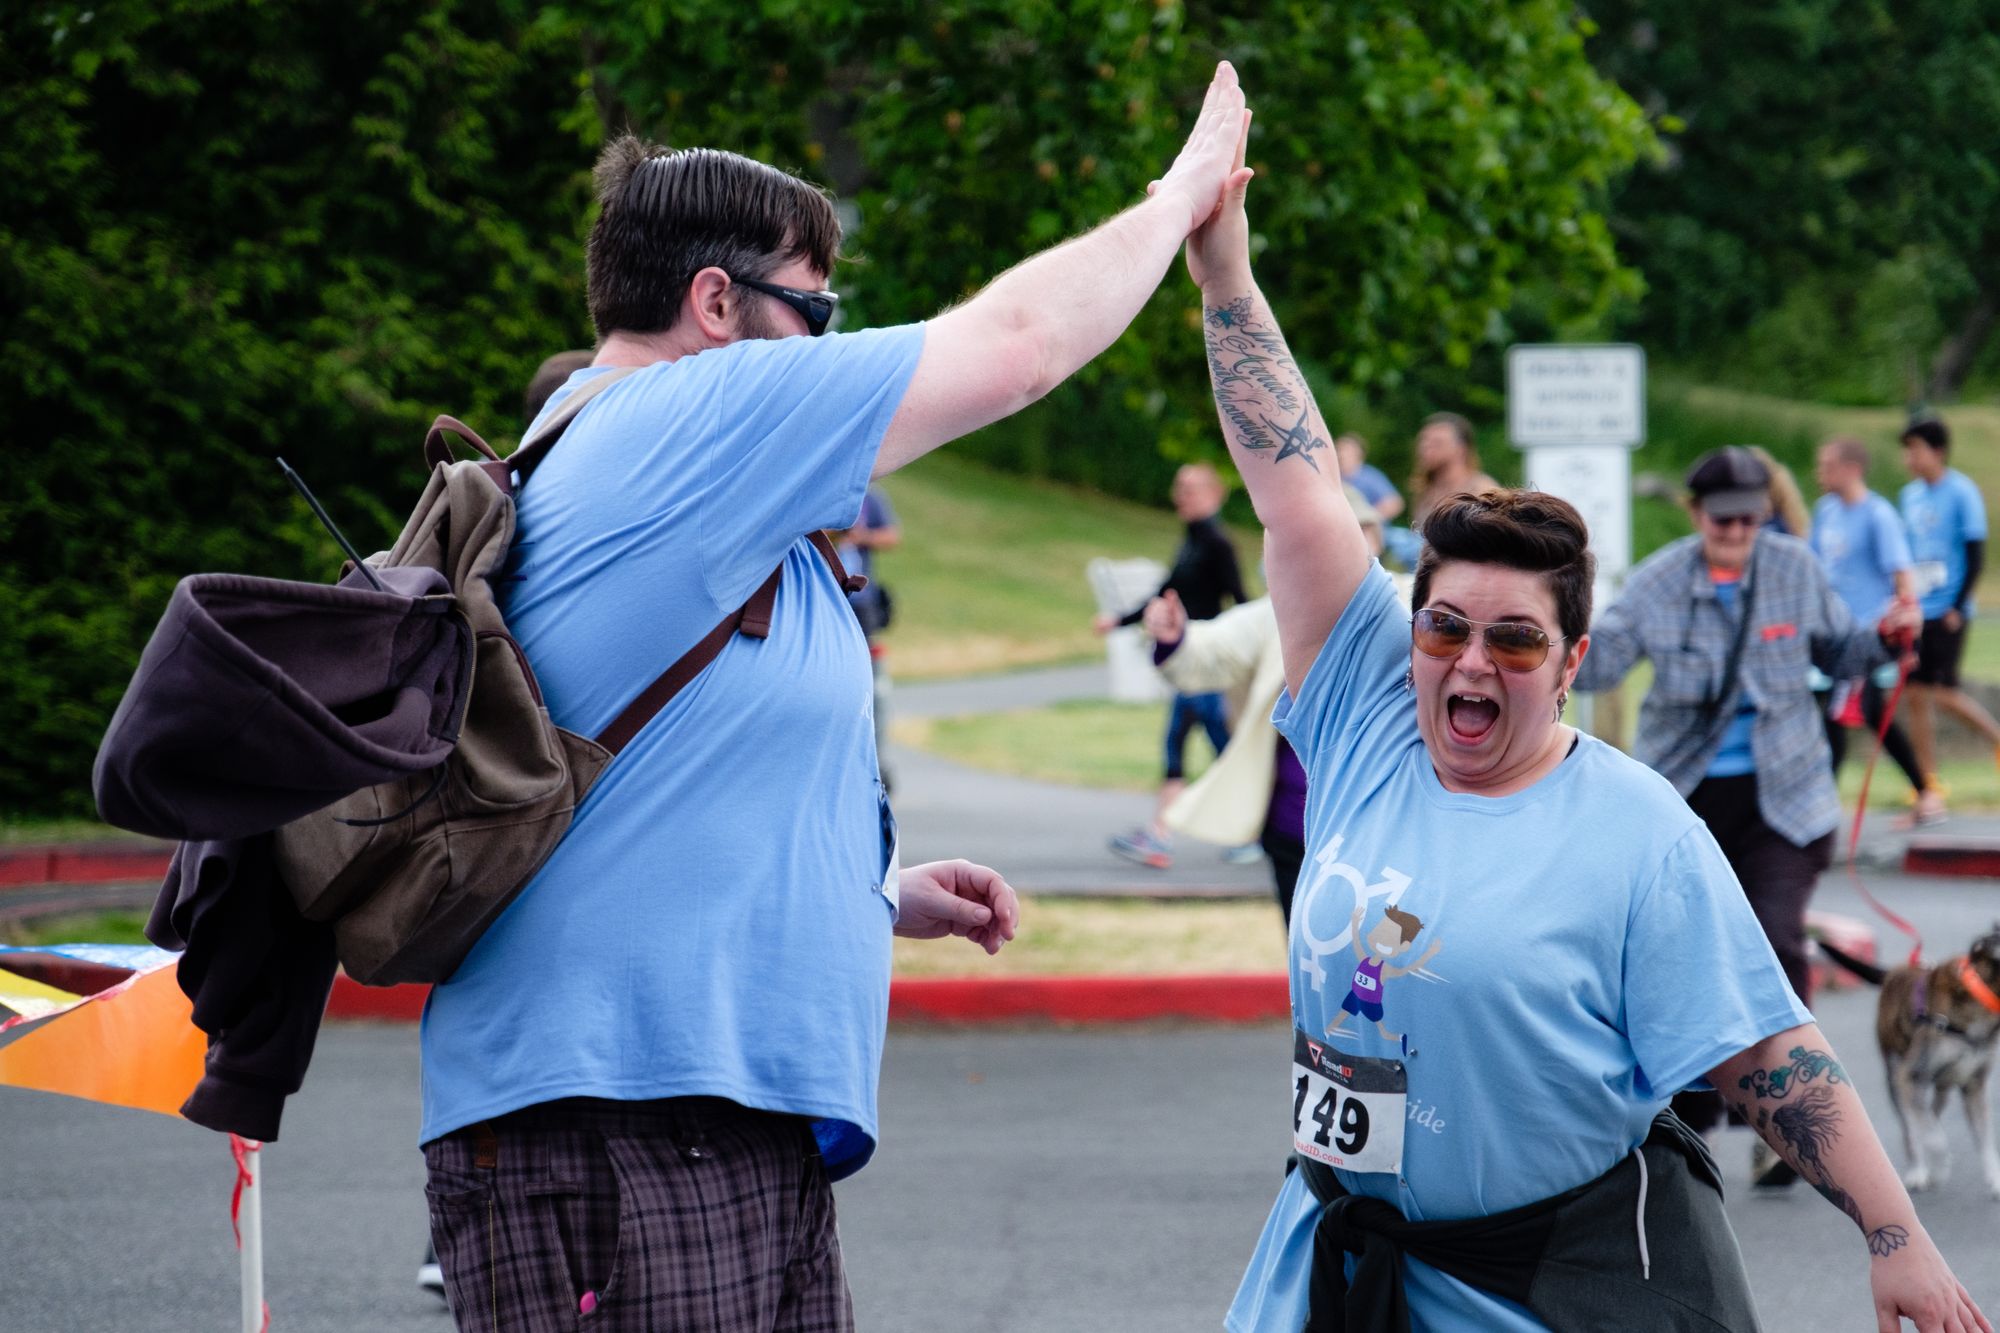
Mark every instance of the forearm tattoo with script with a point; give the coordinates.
(1258, 389)
(1807, 1124)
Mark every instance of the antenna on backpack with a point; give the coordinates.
(299, 484)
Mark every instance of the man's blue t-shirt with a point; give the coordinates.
(1863, 548)
(1942, 517)
(1595, 956)
(713, 922)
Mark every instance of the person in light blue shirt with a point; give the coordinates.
(642, 1080)
(1858, 536)
(1363, 476)
(1511, 943)
(1946, 517)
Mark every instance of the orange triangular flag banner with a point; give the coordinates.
(133, 1045)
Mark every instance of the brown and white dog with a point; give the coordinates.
(1939, 1029)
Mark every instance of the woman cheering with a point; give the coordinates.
(1511, 944)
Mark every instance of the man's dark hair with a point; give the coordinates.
(1530, 530)
(667, 214)
(1931, 431)
(551, 375)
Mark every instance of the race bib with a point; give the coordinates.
(1927, 576)
(1347, 1110)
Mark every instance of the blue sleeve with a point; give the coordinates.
(798, 424)
(1373, 485)
(1359, 669)
(1892, 543)
(1971, 511)
(1701, 982)
(876, 511)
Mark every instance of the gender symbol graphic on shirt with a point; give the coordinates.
(1326, 867)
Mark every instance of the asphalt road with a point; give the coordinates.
(1030, 1181)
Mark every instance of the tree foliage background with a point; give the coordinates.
(1826, 218)
(231, 229)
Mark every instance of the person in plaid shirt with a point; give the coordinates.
(1745, 746)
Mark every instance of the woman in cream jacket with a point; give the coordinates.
(1255, 789)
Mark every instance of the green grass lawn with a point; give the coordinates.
(990, 575)
(1081, 743)
(1067, 936)
(78, 928)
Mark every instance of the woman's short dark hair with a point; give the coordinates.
(1530, 530)
(667, 214)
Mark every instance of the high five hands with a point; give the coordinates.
(1210, 170)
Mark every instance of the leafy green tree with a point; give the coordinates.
(230, 230)
(1425, 177)
(1827, 152)
(233, 228)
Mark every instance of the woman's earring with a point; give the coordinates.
(1562, 698)
(1409, 678)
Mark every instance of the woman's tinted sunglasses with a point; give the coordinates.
(1513, 647)
(815, 308)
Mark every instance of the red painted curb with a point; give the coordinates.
(1970, 857)
(83, 863)
(1202, 998)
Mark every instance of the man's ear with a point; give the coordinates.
(710, 306)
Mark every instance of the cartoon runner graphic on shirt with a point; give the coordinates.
(1392, 937)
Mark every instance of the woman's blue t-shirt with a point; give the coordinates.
(1595, 955)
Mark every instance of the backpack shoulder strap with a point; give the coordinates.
(530, 452)
(824, 545)
(752, 619)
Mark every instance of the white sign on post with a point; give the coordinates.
(1560, 393)
(1577, 410)
(1598, 481)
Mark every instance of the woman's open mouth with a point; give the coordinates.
(1471, 716)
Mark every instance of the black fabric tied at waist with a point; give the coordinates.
(1503, 1253)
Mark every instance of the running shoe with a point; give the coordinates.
(1926, 811)
(1142, 847)
(429, 1276)
(1248, 854)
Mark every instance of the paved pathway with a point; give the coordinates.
(1050, 838)
(1043, 836)
(1028, 1182)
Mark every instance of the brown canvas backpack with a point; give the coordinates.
(410, 872)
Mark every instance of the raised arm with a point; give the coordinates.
(1791, 1090)
(1314, 553)
(1038, 323)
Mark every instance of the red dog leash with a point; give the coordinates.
(1903, 668)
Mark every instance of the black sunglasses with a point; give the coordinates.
(815, 308)
(1510, 645)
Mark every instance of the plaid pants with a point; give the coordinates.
(686, 1215)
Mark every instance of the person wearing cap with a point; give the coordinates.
(1731, 618)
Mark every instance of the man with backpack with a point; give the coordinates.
(641, 1080)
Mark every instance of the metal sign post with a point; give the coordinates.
(1577, 410)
